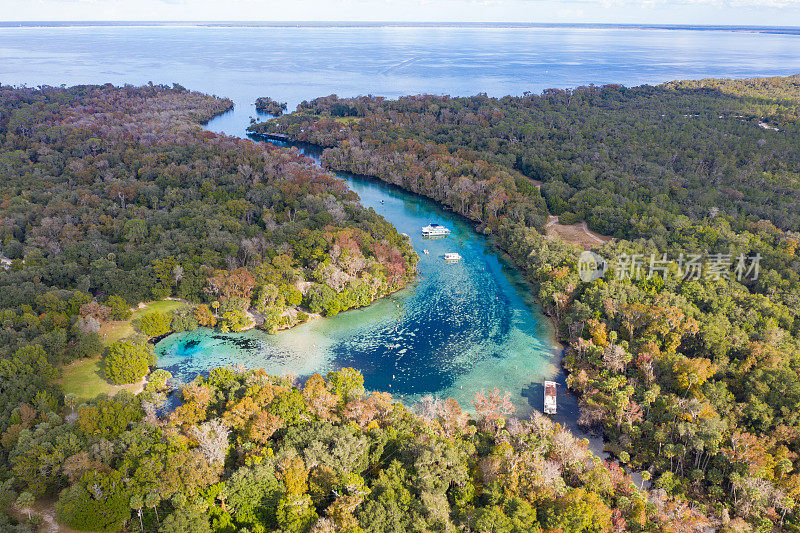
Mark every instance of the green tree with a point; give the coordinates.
(127, 362)
(24, 502)
(136, 503)
(98, 502)
(155, 324)
(185, 519)
(120, 310)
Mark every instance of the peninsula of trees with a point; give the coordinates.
(693, 379)
(269, 106)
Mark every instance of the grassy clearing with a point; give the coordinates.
(113, 331)
(84, 378)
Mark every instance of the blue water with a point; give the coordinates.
(302, 62)
(460, 328)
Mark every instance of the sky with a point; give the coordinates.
(710, 12)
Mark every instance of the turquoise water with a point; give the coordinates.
(460, 328)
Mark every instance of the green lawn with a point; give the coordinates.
(84, 379)
(115, 330)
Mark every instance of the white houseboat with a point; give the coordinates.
(549, 397)
(435, 230)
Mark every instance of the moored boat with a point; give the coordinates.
(452, 257)
(550, 402)
(435, 230)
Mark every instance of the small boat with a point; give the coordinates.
(550, 402)
(452, 257)
(435, 230)
(426, 252)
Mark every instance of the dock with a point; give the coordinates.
(275, 136)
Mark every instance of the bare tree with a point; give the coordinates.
(212, 437)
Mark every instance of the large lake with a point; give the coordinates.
(460, 328)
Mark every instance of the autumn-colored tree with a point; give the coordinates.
(264, 426)
(690, 373)
(238, 283)
(317, 397)
(204, 317)
(493, 407)
(295, 509)
(598, 332)
(95, 310)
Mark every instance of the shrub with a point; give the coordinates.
(567, 218)
(321, 298)
(204, 317)
(158, 378)
(291, 294)
(234, 320)
(183, 323)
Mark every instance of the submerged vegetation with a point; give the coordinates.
(692, 378)
(114, 196)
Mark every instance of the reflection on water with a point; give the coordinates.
(460, 328)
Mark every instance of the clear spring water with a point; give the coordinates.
(461, 328)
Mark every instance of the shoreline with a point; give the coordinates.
(568, 419)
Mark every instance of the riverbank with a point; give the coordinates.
(569, 410)
(570, 407)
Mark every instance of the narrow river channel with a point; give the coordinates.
(459, 329)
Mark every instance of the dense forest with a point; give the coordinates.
(683, 355)
(267, 105)
(114, 196)
(251, 452)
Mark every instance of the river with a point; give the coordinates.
(458, 329)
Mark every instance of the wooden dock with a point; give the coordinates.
(275, 136)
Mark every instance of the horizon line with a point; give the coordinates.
(632, 25)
